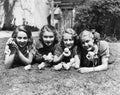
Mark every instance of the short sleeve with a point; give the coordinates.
(38, 44)
(75, 51)
(97, 35)
(58, 50)
(104, 48)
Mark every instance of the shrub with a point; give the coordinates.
(103, 15)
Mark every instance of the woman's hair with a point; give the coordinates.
(48, 28)
(86, 33)
(71, 32)
(25, 29)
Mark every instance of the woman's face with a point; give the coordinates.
(87, 43)
(22, 39)
(48, 38)
(68, 40)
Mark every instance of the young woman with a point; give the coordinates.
(94, 55)
(19, 49)
(66, 52)
(45, 46)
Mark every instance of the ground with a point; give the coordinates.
(17, 81)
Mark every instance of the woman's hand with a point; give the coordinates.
(90, 56)
(12, 45)
(66, 52)
(49, 57)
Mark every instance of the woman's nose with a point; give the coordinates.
(86, 44)
(22, 40)
(48, 39)
(68, 42)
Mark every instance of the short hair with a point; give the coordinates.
(48, 28)
(86, 33)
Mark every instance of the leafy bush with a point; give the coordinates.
(103, 15)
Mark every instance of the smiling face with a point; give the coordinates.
(87, 40)
(48, 38)
(68, 40)
(87, 43)
(22, 39)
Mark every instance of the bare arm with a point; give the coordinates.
(24, 59)
(58, 59)
(38, 57)
(9, 59)
(101, 67)
(77, 61)
(10, 52)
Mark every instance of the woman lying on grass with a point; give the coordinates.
(45, 46)
(94, 56)
(66, 52)
(19, 49)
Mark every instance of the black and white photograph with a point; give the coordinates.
(59, 47)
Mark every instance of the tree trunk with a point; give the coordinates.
(8, 10)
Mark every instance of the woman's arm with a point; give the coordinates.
(77, 61)
(9, 57)
(24, 59)
(10, 52)
(38, 57)
(101, 67)
(58, 59)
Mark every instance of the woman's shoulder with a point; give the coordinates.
(103, 44)
(38, 44)
(58, 47)
(58, 44)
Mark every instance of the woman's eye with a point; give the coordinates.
(45, 36)
(70, 39)
(65, 39)
(51, 37)
(87, 41)
(19, 37)
(25, 38)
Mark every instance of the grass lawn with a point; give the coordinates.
(17, 81)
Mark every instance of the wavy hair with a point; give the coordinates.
(25, 29)
(48, 28)
(71, 32)
(86, 33)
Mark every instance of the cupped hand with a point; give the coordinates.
(66, 52)
(90, 55)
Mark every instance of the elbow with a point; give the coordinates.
(29, 62)
(7, 64)
(7, 67)
(106, 67)
(103, 67)
(105, 63)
